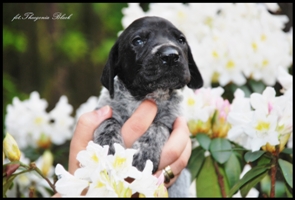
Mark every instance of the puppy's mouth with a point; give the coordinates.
(156, 74)
(167, 83)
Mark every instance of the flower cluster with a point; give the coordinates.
(259, 123)
(261, 120)
(31, 125)
(109, 175)
(231, 42)
(206, 111)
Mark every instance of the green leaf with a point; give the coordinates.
(247, 187)
(4, 135)
(257, 86)
(204, 140)
(280, 187)
(265, 159)
(7, 182)
(252, 156)
(245, 89)
(287, 151)
(232, 170)
(196, 161)
(220, 149)
(287, 169)
(207, 181)
(251, 174)
(289, 192)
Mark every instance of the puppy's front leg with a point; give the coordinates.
(108, 133)
(150, 146)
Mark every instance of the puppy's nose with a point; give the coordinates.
(169, 55)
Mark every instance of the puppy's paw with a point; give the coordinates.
(140, 158)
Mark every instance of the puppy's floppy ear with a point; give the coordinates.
(109, 72)
(196, 77)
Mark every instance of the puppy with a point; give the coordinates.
(151, 59)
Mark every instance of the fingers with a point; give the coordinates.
(178, 165)
(139, 122)
(57, 195)
(85, 128)
(176, 158)
(176, 143)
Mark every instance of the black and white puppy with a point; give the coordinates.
(151, 59)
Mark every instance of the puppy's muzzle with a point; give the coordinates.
(168, 55)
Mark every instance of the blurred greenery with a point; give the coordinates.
(57, 57)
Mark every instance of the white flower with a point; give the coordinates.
(15, 121)
(239, 117)
(264, 101)
(67, 184)
(262, 130)
(200, 104)
(92, 159)
(272, 6)
(146, 183)
(131, 13)
(213, 37)
(240, 103)
(38, 118)
(286, 81)
(284, 110)
(105, 175)
(101, 185)
(193, 106)
(62, 122)
(44, 163)
(120, 163)
(88, 106)
(28, 120)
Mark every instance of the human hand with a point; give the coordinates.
(177, 150)
(85, 128)
(88, 122)
(133, 128)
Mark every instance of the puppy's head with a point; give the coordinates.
(151, 54)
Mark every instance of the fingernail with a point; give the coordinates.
(103, 111)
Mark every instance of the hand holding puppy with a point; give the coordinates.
(176, 151)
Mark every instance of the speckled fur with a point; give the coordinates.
(123, 105)
(135, 72)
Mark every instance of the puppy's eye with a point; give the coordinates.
(138, 41)
(181, 40)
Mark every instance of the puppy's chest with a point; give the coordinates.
(124, 105)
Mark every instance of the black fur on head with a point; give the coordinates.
(151, 54)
